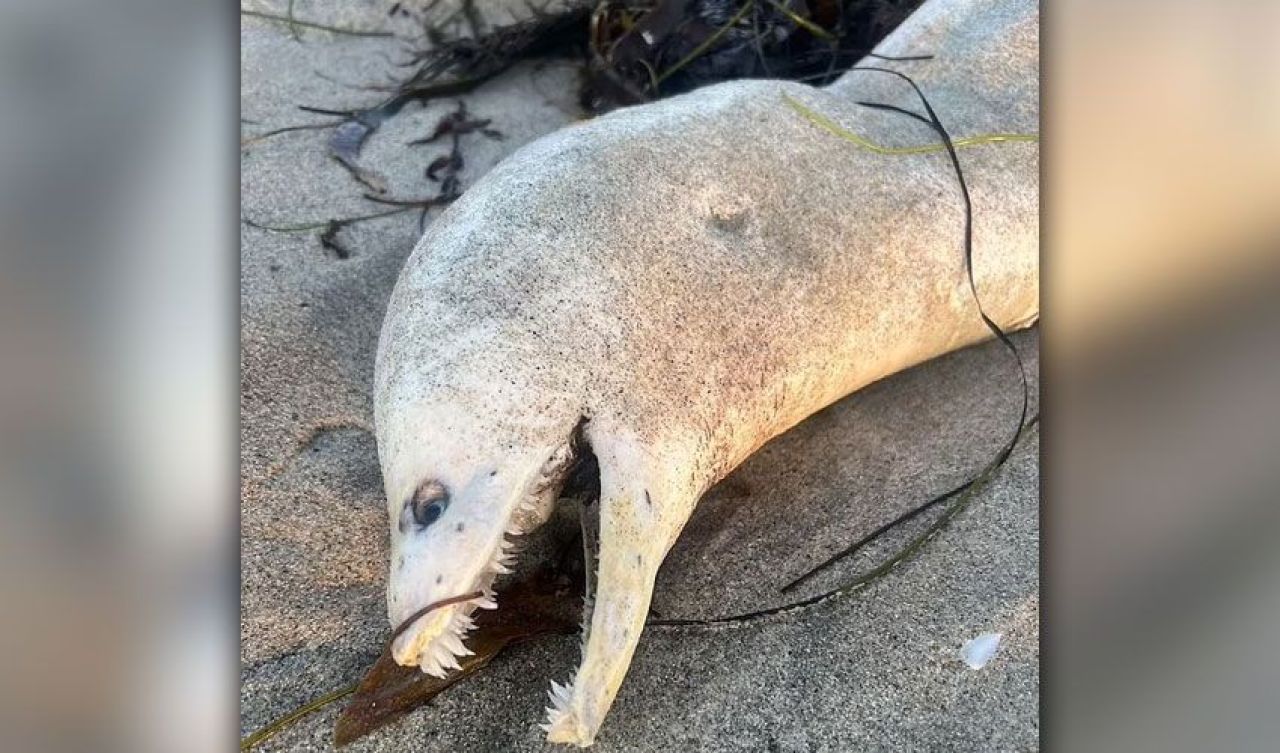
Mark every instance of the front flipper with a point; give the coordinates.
(643, 506)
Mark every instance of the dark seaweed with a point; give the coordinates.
(634, 52)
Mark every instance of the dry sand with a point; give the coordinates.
(876, 670)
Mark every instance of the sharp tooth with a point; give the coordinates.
(486, 602)
(560, 694)
(443, 659)
(431, 667)
(454, 644)
(500, 567)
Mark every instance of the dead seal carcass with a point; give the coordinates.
(681, 282)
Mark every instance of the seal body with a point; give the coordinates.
(684, 281)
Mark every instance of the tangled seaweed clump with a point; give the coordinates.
(635, 51)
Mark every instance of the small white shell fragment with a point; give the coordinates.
(978, 651)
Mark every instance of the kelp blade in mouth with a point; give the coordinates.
(545, 604)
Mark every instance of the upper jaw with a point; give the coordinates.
(436, 646)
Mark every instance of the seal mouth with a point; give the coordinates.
(435, 641)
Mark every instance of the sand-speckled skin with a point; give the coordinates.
(694, 277)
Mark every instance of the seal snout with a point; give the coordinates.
(448, 547)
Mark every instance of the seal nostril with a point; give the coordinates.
(428, 503)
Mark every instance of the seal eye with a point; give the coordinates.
(429, 503)
(433, 512)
